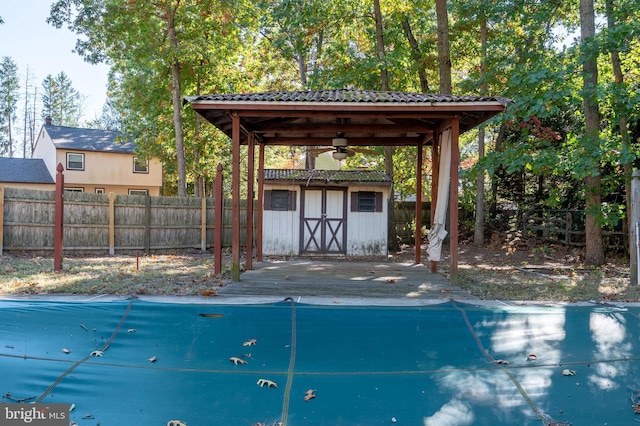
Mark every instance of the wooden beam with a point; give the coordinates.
(453, 196)
(235, 199)
(260, 202)
(435, 178)
(352, 141)
(418, 231)
(250, 178)
(277, 127)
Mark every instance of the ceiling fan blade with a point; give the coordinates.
(320, 150)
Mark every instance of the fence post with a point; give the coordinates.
(147, 224)
(203, 225)
(633, 228)
(1, 218)
(59, 220)
(217, 238)
(112, 223)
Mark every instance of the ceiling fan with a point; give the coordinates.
(339, 146)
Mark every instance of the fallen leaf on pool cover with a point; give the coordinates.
(309, 395)
(269, 383)
(250, 342)
(236, 360)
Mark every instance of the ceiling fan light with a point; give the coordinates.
(339, 155)
(339, 142)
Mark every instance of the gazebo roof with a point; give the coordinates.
(363, 117)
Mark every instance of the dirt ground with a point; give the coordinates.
(503, 269)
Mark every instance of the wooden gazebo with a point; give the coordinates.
(339, 117)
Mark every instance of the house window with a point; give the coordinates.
(140, 165)
(366, 201)
(138, 192)
(70, 189)
(99, 190)
(75, 161)
(279, 200)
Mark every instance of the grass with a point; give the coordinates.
(492, 277)
(190, 274)
(563, 285)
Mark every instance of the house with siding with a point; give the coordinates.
(325, 212)
(97, 161)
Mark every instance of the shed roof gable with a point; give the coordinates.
(327, 176)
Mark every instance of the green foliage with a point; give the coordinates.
(9, 86)
(60, 100)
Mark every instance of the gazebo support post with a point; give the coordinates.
(260, 202)
(418, 230)
(235, 197)
(435, 173)
(453, 196)
(250, 178)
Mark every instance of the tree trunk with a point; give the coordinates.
(177, 104)
(623, 127)
(416, 54)
(594, 253)
(444, 58)
(392, 236)
(478, 232)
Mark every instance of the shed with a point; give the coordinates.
(325, 212)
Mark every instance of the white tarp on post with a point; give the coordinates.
(437, 233)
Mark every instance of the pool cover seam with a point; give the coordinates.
(328, 373)
(292, 360)
(83, 360)
(541, 416)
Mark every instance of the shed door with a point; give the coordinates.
(323, 221)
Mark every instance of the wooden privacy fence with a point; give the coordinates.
(566, 227)
(108, 222)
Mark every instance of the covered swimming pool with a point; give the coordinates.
(125, 362)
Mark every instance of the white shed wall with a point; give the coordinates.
(281, 229)
(367, 231)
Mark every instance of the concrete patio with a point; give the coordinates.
(303, 279)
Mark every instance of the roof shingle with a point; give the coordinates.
(89, 139)
(24, 170)
(335, 176)
(345, 95)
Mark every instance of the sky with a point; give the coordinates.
(26, 37)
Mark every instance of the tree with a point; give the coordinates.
(156, 48)
(444, 51)
(594, 253)
(61, 101)
(9, 88)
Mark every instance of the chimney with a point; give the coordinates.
(47, 120)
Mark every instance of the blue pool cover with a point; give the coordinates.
(447, 364)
